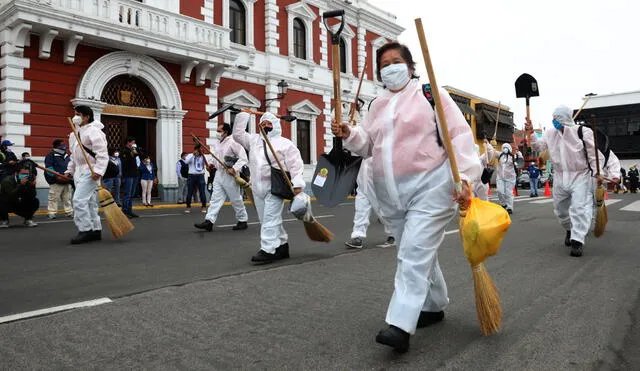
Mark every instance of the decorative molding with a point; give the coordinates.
(46, 40)
(202, 71)
(375, 45)
(301, 11)
(249, 15)
(186, 69)
(306, 110)
(241, 98)
(70, 45)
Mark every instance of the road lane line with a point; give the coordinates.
(175, 214)
(634, 206)
(611, 202)
(42, 312)
(451, 232)
(545, 201)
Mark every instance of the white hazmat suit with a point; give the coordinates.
(506, 176)
(85, 197)
(573, 186)
(366, 202)
(224, 185)
(481, 190)
(268, 206)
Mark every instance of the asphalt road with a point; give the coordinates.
(184, 299)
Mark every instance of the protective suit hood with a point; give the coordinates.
(277, 128)
(563, 115)
(506, 145)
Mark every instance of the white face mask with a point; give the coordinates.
(217, 135)
(505, 150)
(395, 76)
(117, 154)
(77, 120)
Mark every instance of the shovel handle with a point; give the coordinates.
(51, 171)
(197, 140)
(259, 113)
(335, 36)
(595, 143)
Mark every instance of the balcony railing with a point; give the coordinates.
(140, 17)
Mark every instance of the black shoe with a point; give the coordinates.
(576, 248)
(207, 225)
(241, 226)
(82, 237)
(567, 239)
(429, 318)
(96, 235)
(510, 211)
(395, 338)
(263, 257)
(133, 215)
(282, 252)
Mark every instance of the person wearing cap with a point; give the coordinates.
(8, 159)
(534, 177)
(274, 243)
(574, 163)
(18, 194)
(59, 187)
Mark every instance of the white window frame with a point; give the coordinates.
(301, 11)
(375, 45)
(241, 99)
(306, 110)
(347, 35)
(249, 26)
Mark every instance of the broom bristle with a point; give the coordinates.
(487, 301)
(317, 232)
(601, 213)
(119, 223)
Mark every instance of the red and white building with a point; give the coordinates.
(156, 69)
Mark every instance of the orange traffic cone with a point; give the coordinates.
(547, 190)
(489, 192)
(606, 195)
(515, 191)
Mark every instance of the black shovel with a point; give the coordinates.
(526, 87)
(336, 172)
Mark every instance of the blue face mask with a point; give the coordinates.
(63, 148)
(557, 124)
(22, 176)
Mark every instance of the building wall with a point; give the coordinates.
(192, 8)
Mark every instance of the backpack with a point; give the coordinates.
(184, 169)
(603, 146)
(515, 169)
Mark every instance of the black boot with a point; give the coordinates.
(240, 226)
(429, 318)
(263, 257)
(567, 239)
(82, 237)
(395, 338)
(282, 252)
(207, 225)
(576, 248)
(96, 235)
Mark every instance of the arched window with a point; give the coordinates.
(237, 22)
(299, 39)
(343, 56)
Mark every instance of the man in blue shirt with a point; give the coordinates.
(534, 177)
(59, 188)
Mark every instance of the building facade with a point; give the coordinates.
(156, 69)
(619, 116)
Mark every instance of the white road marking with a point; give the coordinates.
(41, 312)
(634, 206)
(545, 201)
(163, 215)
(611, 202)
(451, 232)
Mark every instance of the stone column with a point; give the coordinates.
(168, 140)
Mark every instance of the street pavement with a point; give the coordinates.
(177, 298)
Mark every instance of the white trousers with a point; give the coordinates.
(481, 191)
(573, 205)
(146, 186)
(272, 233)
(361, 218)
(224, 186)
(418, 224)
(86, 204)
(59, 192)
(504, 188)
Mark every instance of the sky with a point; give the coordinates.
(570, 47)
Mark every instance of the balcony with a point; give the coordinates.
(124, 24)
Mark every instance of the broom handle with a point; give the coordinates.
(595, 144)
(495, 132)
(581, 107)
(51, 171)
(275, 156)
(354, 106)
(436, 95)
(84, 153)
(209, 152)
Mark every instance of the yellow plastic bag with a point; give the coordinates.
(482, 229)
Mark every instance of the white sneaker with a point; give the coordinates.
(30, 223)
(4, 224)
(187, 211)
(51, 216)
(390, 242)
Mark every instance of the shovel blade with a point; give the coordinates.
(526, 86)
(332, 182)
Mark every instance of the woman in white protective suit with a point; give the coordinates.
(506, 176)
(224, 184)
(365, 202)
(273, 237)
(481, 190)
(85, 197)
(574, 166)
(413, 184)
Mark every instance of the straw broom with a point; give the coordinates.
(119, 223)
(315, 230)
(487, 299)
(601, 209)
(246, 186)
